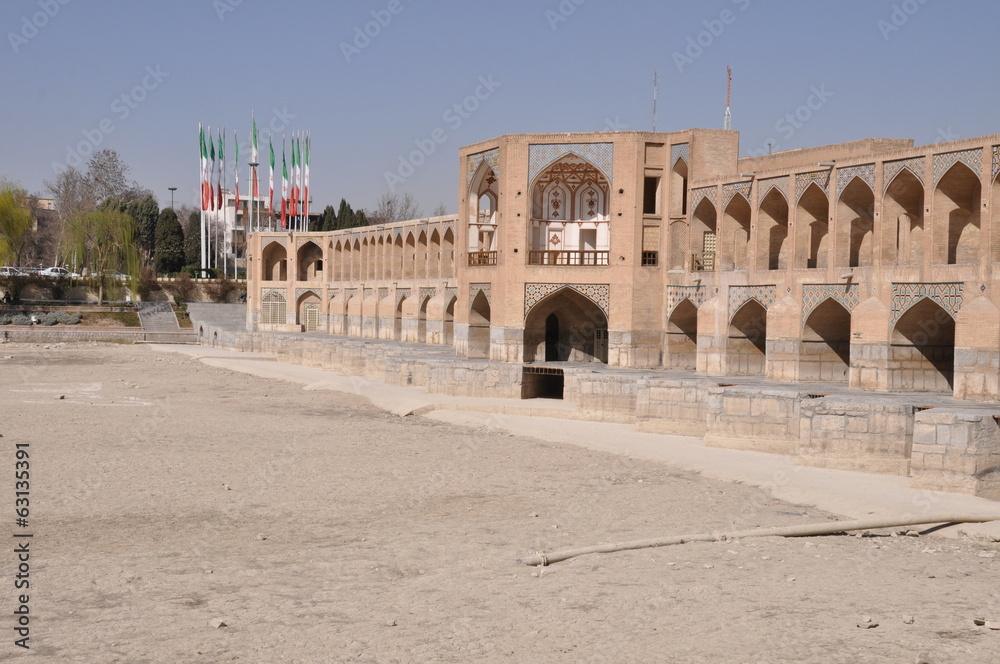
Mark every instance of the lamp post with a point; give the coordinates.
(172, 190)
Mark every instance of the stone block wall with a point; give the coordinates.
(673, 406)
(610, 396)
(854, 435)
(957, 451)
(752, 418)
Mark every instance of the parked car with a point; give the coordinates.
(115, 274)
(57, 272)
(7, 271)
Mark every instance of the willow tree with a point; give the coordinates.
(104, 240)
(16, 223)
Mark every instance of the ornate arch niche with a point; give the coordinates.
(569, 214)
(482, 203)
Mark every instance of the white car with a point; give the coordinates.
(57, 272)
(6, 271)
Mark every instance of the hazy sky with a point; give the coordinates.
(138, 76)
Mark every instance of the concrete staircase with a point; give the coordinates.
(160, 324)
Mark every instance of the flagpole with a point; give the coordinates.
(225, 212)
(201, 170)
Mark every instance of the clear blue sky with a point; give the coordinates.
(921, 69)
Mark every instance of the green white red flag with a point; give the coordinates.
(206, 191)
(284, 187)
(222, 169)
(270, 196)
(305, 198)
(254, 158)
(236, 172)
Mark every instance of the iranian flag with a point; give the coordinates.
(222, 168)
(270, 196)
(255, 158)
(236, 172)
(305, 197)
(284, 188)
(211, 184)
(295, 179)
(206, 187)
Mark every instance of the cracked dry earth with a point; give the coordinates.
(168, 496)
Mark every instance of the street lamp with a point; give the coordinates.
(172, 190)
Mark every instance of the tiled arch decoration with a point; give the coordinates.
(764, 187)
(996, 160)
(383, 293)
(729, 192)
(844, 176)
(949, 296)
(299, 292)
(803, 180)
(601, 155)
(740, 295)
(402, 294)
(677, 294)
(491, 157)
(271, 291)
(302, 241)
(485, 289)
(599, 294)
(698, 195)
(426, 293)
(891, 169)
(350, 293)
(813, 295)
(276, 240)
(971, 158)
(678, 152)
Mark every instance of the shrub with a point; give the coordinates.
(183, 288)
(220, 290)
(147, 283)
(20, 319)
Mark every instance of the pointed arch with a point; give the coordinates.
(409, 256)
(772, 231)
(746, 348)
(420, 256)
(682, 336)
(679, 188)
(337, 271)
(448, 254)
(956, 225)
(483, 197)
(569, 214)
(310, 262)
(274, 262)
(273, 308)
(856, 224)
(704, 224)
(434, 255)
(480, 314)
(922, 349)
(735, 240)
(904, 233)
(826, 344)
(812, 228)
(567, 326)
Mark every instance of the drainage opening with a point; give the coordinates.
(542, 383)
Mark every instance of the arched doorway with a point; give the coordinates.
(274, 262)
(422, 321)
(746, 353)
(566, 326)
(826, 344)
(682, 337)
(922, 350)
(479, 327)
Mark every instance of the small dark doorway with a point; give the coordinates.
(542, 383)
(552, 338)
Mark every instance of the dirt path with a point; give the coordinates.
(167, 494)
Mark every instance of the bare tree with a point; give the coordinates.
(394, 207)
(108, 178)
(440, 210)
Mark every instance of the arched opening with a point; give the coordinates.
(397, 322)
(677, 238)
(735, 234)
(812, 229)
(310, 260)
(903, 217)
(569, 214)
(746, 353)
(272, 309)
(449, 322)
(682, 337)
(568, 326)
(275, 263)
(409, 257)
(922, 351)
(482, 228)
(995, 233)
(772, 232)
(357, 260)
(679, 189)
(434, 256)
(703, 228)
(856, 225)
(308, 312)
(382, 252)
(396, 271)
(826, 344)
(422, 321)
(479, 327)
(956, 216)
(420, 256)
(448, 255)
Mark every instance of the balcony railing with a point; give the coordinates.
(482, 258)
(704, 262)
(568, 258)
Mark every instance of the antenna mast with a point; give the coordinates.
(656, 94)
(729, 99)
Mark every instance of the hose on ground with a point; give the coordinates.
(804, 530)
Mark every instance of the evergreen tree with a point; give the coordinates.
(169, 256)
(360, 219)
(345, 216)
(192, 240)
(146, 212)
(329, 219)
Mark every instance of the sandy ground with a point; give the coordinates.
(167, 494)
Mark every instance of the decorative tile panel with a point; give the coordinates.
(369, 292)
(677, 294)
(948, 295)
(402, 294)
(450, 293)
(698, 195)
(299, 292)
(740, 295)
(971, 158)
(803, 180)
(383, 293)
(486, 289)
(996, 160)
(426, 293)
(601, 155)
(891, 169)
(350, 293)
(764, 187)
(813, 295)
(844, 176)
(335, 293)
(491, 157)
(678, 152)
(271, 291)
(300, 241)
(278, 240)
(599, 294)
(729, 192)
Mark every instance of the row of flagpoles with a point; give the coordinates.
(294, 211)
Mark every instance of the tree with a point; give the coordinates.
(392, 207)
(360, 219)
(145, 212)
(192, 240)
(15, 223)
(329, 218)
(169, 255)
(107, 175)
(345, 216)
(104, 240)
(440, 210)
